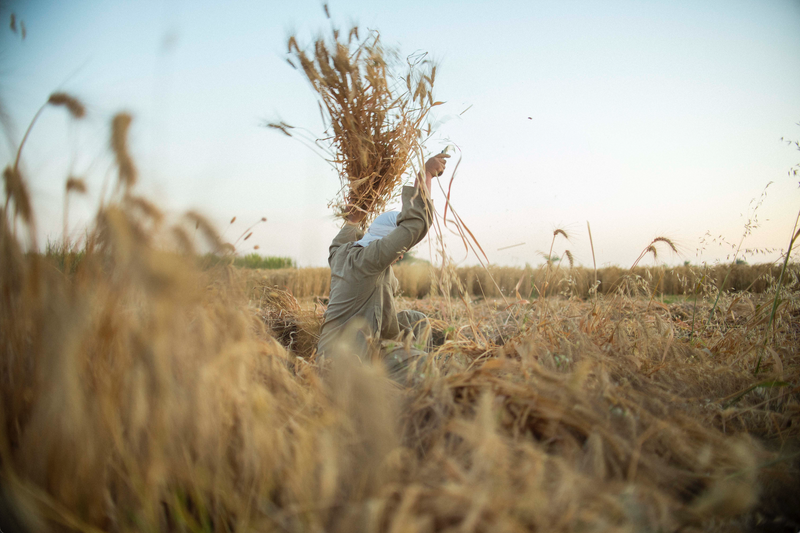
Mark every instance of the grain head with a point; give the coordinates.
(73, 105)
(17, 191)
(120, 126)
(75, 185)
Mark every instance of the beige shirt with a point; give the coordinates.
(362, 282)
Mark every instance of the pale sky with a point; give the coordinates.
(643, 118)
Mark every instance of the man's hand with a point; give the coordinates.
(435, 165)
(354, 214)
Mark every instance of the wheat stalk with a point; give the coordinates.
(374, 117)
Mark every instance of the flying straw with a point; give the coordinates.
(512, 246)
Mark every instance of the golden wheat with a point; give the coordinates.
(141, 393)
(119, 145)
(75, 107)
(375, 117)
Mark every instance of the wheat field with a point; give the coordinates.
(421, 280)
(141, 392)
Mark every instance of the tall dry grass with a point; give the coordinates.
(140, 393)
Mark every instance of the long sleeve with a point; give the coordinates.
(413, 223)
(348, 233)
(362, 282)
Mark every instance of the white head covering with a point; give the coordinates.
(382, 226)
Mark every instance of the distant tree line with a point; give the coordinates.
(253, 260)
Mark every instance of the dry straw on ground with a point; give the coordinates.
(374, 114)
(294, 327)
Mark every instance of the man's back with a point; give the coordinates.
(362, 281)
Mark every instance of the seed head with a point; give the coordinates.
(17, 191)
(668, 242)
(561, 232)
(119, 144)
(73, 105)
(570, 258)
(77, 185)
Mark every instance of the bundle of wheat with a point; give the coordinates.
(374, 117)
(295, 328)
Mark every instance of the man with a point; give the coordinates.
(361, 309)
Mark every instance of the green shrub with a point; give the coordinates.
(269, 262)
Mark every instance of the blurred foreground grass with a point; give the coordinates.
(141, 392)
